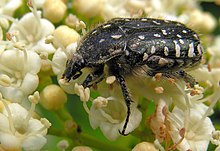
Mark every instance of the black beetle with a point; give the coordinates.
(124, 44)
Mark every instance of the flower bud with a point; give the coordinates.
(203, 21)
(81, 148)
(88, 8)
(63, 36)
(54, 10)
(53, 97)
(143, 146)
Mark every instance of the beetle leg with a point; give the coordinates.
(127, 99)
(181, 74)
(94, 77)
(187, 78)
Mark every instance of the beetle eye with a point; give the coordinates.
(77, 75)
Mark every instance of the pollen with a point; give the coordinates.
(159, 90)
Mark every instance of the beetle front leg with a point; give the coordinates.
(187, 78)
(94, 77)
(127, 99)
(181, 74)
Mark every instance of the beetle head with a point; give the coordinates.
(73, 67)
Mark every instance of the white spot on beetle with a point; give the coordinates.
(181, 41)
(164, 32)
(163, 41)
(200, 49)
(191, 50)
(145, 56)
(196, 36)
(144, 19)
(106, 26)
(141, 37)
(126, 52)
(101, 40)
(177, 49)
(184, 31)
(138, 25)
(157, 35)
(155, 22)
(94, 31)
(166, 51)
(162, 61)
(153, 49)
(179, 36)
(116, 36)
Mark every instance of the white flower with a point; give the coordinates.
(215, 53)
(8, 7)
(197, 129)
(215, 139)
(39, 4)
(88, 8)
(33, 30)
(18, 73)
(115, 8)
(109, 114)
(18, 130)
(203, 74)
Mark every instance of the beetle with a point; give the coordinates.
(124, 44)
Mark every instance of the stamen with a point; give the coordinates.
(10, 120)
(86, 108)
(34, 100)
(33, 8)
(5, 80)
(108, 117)
(83, 93)
(174, 120)
(215, 97)
(158, 145)
(186, 124)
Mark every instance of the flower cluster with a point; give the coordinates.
(34, 50)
